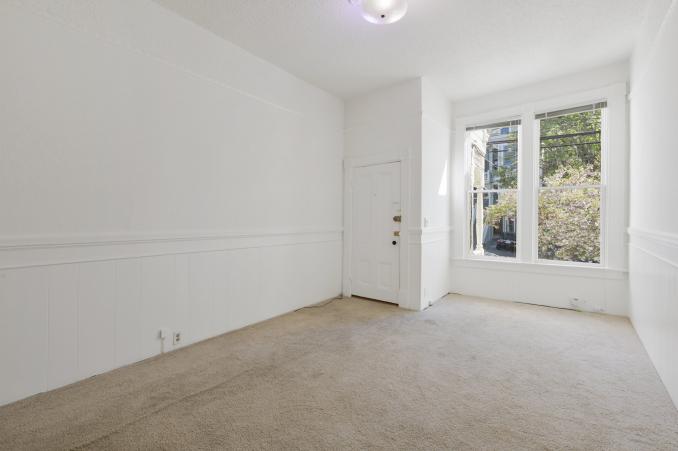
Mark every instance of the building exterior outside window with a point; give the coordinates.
(493, 194)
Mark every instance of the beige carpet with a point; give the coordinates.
(465, 374)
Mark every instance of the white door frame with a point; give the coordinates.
(373, 160)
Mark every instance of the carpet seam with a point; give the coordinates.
(167, 406)
(267, 368)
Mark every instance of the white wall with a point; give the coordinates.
(436, 135)
(654, 217)
(601, 289)
(409, 122)
(385, 126)
(151, 175)
(384, 122)
(561, 86)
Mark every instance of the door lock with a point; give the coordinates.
(397, 218)
(396, 233)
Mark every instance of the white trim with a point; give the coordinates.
(664, 238)
(70, 240)
(661, 245)
(569, 187)
(654, 254)
(570, 270)
(533, 195)
(429, 235)
(520, 110)
(56, 250)
(604, 183)
(372, 160)
(489, 191)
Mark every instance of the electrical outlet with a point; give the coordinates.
(583, 305)
(176, 338)
(577, 304)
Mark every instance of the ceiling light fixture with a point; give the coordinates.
(381, 11)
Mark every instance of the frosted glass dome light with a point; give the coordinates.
(381, 11)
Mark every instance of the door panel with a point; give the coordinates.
(375, 259)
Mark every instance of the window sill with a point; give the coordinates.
(553, 269)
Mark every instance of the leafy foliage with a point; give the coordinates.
(569, 219)
(508, 177)
(569, 143)
(506, 207)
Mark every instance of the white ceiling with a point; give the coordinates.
(467, 47)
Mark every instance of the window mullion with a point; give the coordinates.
(568, 187)
(525, 194)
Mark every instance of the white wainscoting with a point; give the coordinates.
(654, 300)
(598, 290)
(71, 308)
(126, 116)
(435, 262)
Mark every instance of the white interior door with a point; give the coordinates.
(375, 216)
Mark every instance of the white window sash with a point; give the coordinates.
(527, 227)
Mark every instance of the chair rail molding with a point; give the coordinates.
(661, 245)
(427, 235)
(45, 250)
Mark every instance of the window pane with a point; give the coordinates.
(569, 225)
(570, 149)
(494, 157)
(493, 223)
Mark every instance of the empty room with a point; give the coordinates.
(338, 224)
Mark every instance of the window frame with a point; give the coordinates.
(528, 176)
(604, 140)
(468, 191)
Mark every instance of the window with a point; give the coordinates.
(493, 195)
(562, 198)
(570, 184)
